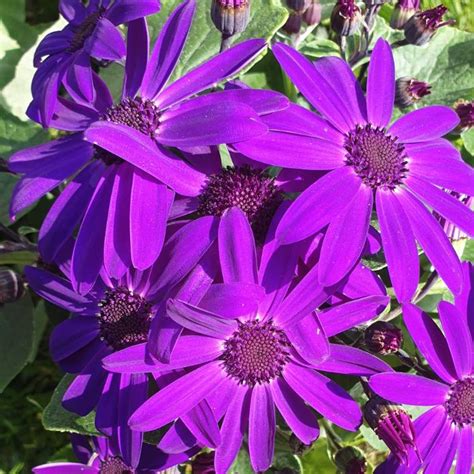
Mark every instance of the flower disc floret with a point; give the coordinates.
(378, 158)
(115, 465)
(141, 114)
(460, 403)
(256, 353)
(124, 318)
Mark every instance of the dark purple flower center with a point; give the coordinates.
(253, 191)
(141, 114)
(348, 8)
(460, 403)
(377, 157)
(85, 30)
(115, 465)
(124, 318)
(256, 353)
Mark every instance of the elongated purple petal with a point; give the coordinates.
(362, 282)
(72, 10)
(339, 318)
(433, 240)
(202, 424)
(381, 84)
(314, 86)
(345, 238)
(425, 124)
(409, 388)
(293, 151)
(177, 439)
(430, 341)
(233, 429)
(262, 427)
(442, 457)
(199, 320)
(464, 459)
(329, 195)
(142, 152)
(190, 389)
(79, 80)
(167, 50)
(124, 11)
(264, 102)
(150, 203)
(67, 212)
(64, 467)
(106, 411)
(212, 124)
(308, 338)
(324, 395)
(106, 42)
(351, 361)
(88, 255)
(448, 206)
(136, 62)
(458, 337)
(237, 251)
(399, 245)
(298, 416)
(215, 70)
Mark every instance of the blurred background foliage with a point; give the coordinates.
(28, 377)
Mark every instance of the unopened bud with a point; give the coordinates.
(383, 338)
(393, 426)
(350, 460)
(409, 91)
(230, 16)
(312, 15)
(203, 464)
(421, 27)
(346, 18)
(402, 12)
(298, 5)
(465, 111)
(12, 286)
(293, 24)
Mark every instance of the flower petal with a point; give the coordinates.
(106, 42)
(202, 424)
(464, 459)
(124, 11)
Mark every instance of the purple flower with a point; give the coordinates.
(117, 314)
(102, 457)
(397, 169)
(445, 430)
(92, 32)
(124, 174)
(247, 359)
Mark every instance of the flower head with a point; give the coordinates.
(255, 341)
(465, 111)
(92, 31)
(445, 430)
(370, 165)
(383, 338)
(409, 91)
(421, 27)
(346, 18)
(124, 172)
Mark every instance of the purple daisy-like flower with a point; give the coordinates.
(92, 31)
(99, 456)
(124, 174)
(248, 360)
(117, 314)
(445, 430)
(397, 169)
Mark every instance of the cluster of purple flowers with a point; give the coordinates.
(204, 301)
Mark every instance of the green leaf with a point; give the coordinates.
(316, 460)
(444, 62)
(469, 251)
(56, 418)
(468, 140)
(318, 47)
(371, 438)
(16, 338)
(22, 257)
(241, 464)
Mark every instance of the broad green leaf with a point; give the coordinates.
(316, 460)
(7, 183)
(241, 464)
(40, 320)
(16, 338)
(21, 257)
(468, 140)
(444, 62)
(469, 251)
(56, 418)
(319, 47)
(371, 438)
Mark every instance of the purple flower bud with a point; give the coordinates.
(421, 27)
(230, 16)
(298, 5)
(465, 111)
(393, 426)
(346, 18)
(350, 460)
(383, 338)
(408, 91)
(402, 12)
(293, 24)
(12, 286)
(454, 233)
(203, 464)
(312, 15)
